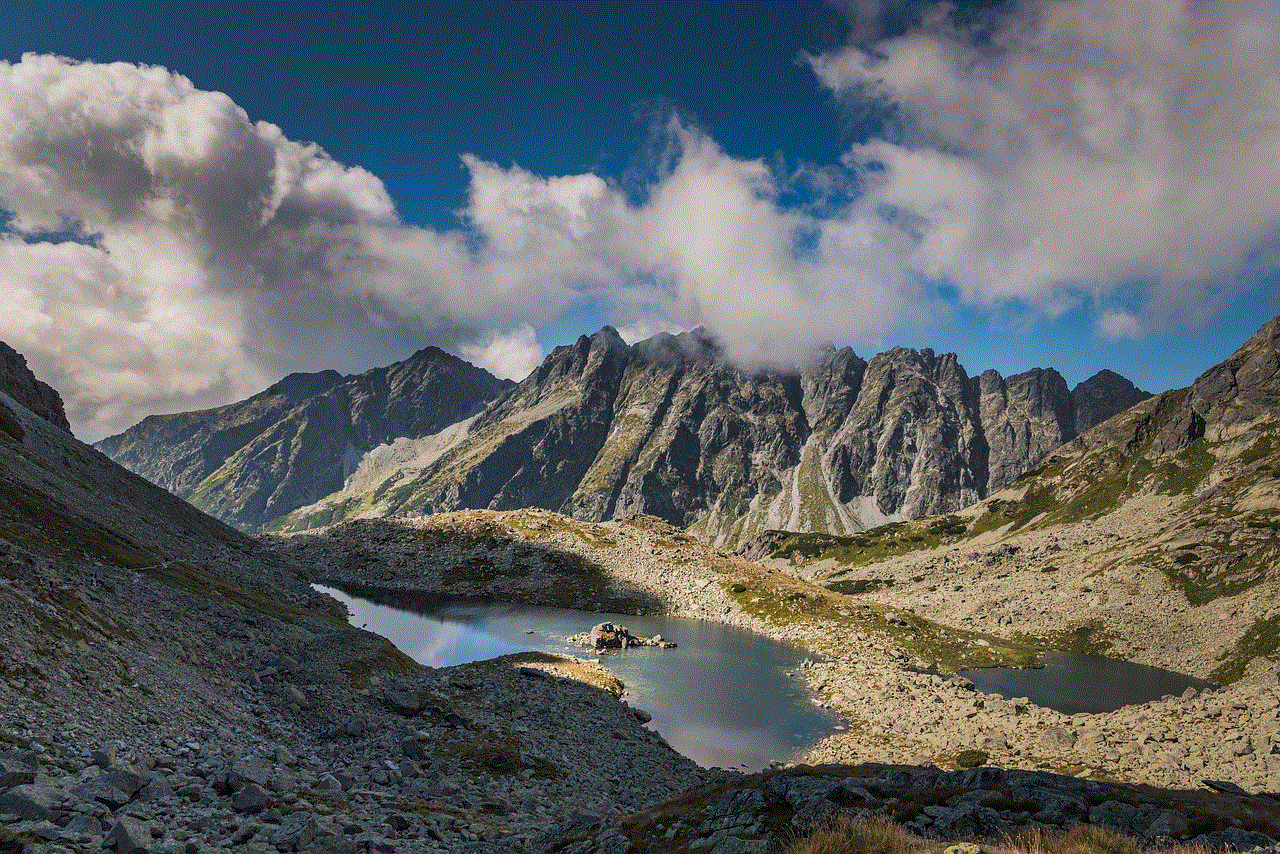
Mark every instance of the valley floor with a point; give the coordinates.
(870, 649)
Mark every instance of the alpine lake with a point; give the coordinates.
(724, 697)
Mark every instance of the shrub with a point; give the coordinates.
(971, 758)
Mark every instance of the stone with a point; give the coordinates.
(251, 798)
(128, 835)
(15, 771)
(1057, 738)
(104, 757)
(296, 697)
(31, 801)
(1235, 839)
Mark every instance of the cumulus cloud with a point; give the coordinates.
(512, 355)
(1059, 154)
(1115, 324)
(210, 253)
(1076, 147)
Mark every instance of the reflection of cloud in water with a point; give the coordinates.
(427, 640)
(712, 746)
(722, 698)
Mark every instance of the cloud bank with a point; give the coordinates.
(164, 252)
(1078, 149)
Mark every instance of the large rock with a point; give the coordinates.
(17, 381)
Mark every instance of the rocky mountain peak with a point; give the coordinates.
(17, 381)
(1101, 396)
(696, 345)
(299, 439)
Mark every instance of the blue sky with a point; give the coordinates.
(496, 179)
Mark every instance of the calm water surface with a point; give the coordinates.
(1073, 683)
(722, 697)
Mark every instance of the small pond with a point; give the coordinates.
(1073, 682)
(723, 697)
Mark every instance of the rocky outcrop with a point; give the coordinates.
(17, 381)
(298, 440)
(604, 636)
(669, 428)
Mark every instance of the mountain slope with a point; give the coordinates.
(668, 427)
(1155, 532)
(249, 462)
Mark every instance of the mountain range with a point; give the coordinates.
(666, 427)
(298, 440)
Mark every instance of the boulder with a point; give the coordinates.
(128, 835)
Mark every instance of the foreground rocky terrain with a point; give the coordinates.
(169, 685)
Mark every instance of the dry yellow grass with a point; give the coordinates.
(884, 837)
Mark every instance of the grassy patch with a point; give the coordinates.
(184, 576)
(498, 754)
(14, 843)
(948, 648)
(1262, 638)
(871, 546)
(971, 758)
(39, 524)
(1216, 569)
(880, 837)
(9, 425)
(388, 660)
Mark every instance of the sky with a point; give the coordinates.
(197, 199)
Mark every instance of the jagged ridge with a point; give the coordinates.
(668, 427)
(298, 440)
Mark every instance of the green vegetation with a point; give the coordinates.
(185, 576)
(14, 843)
(388, 659)
(1216, 568)
(41, 525)
(971, 758)
(1261, 638)
(871, 546)
(9, 425)
(881, 837)
(786, 602)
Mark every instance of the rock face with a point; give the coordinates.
(298, 440)
(17, 381)
(669, 428)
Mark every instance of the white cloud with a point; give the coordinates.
(222, 254)
(647, 327)
(1081, 152)
(512, 355)
(1082, 146)
(1115, 324)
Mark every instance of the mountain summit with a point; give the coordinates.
(668, 427)
(297, 441)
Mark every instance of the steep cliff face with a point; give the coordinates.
(668, 427)
(17, 381)
(298, 440)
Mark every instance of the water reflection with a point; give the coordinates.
(722, 698)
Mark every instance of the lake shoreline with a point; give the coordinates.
(895, 714)
(690, 694)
